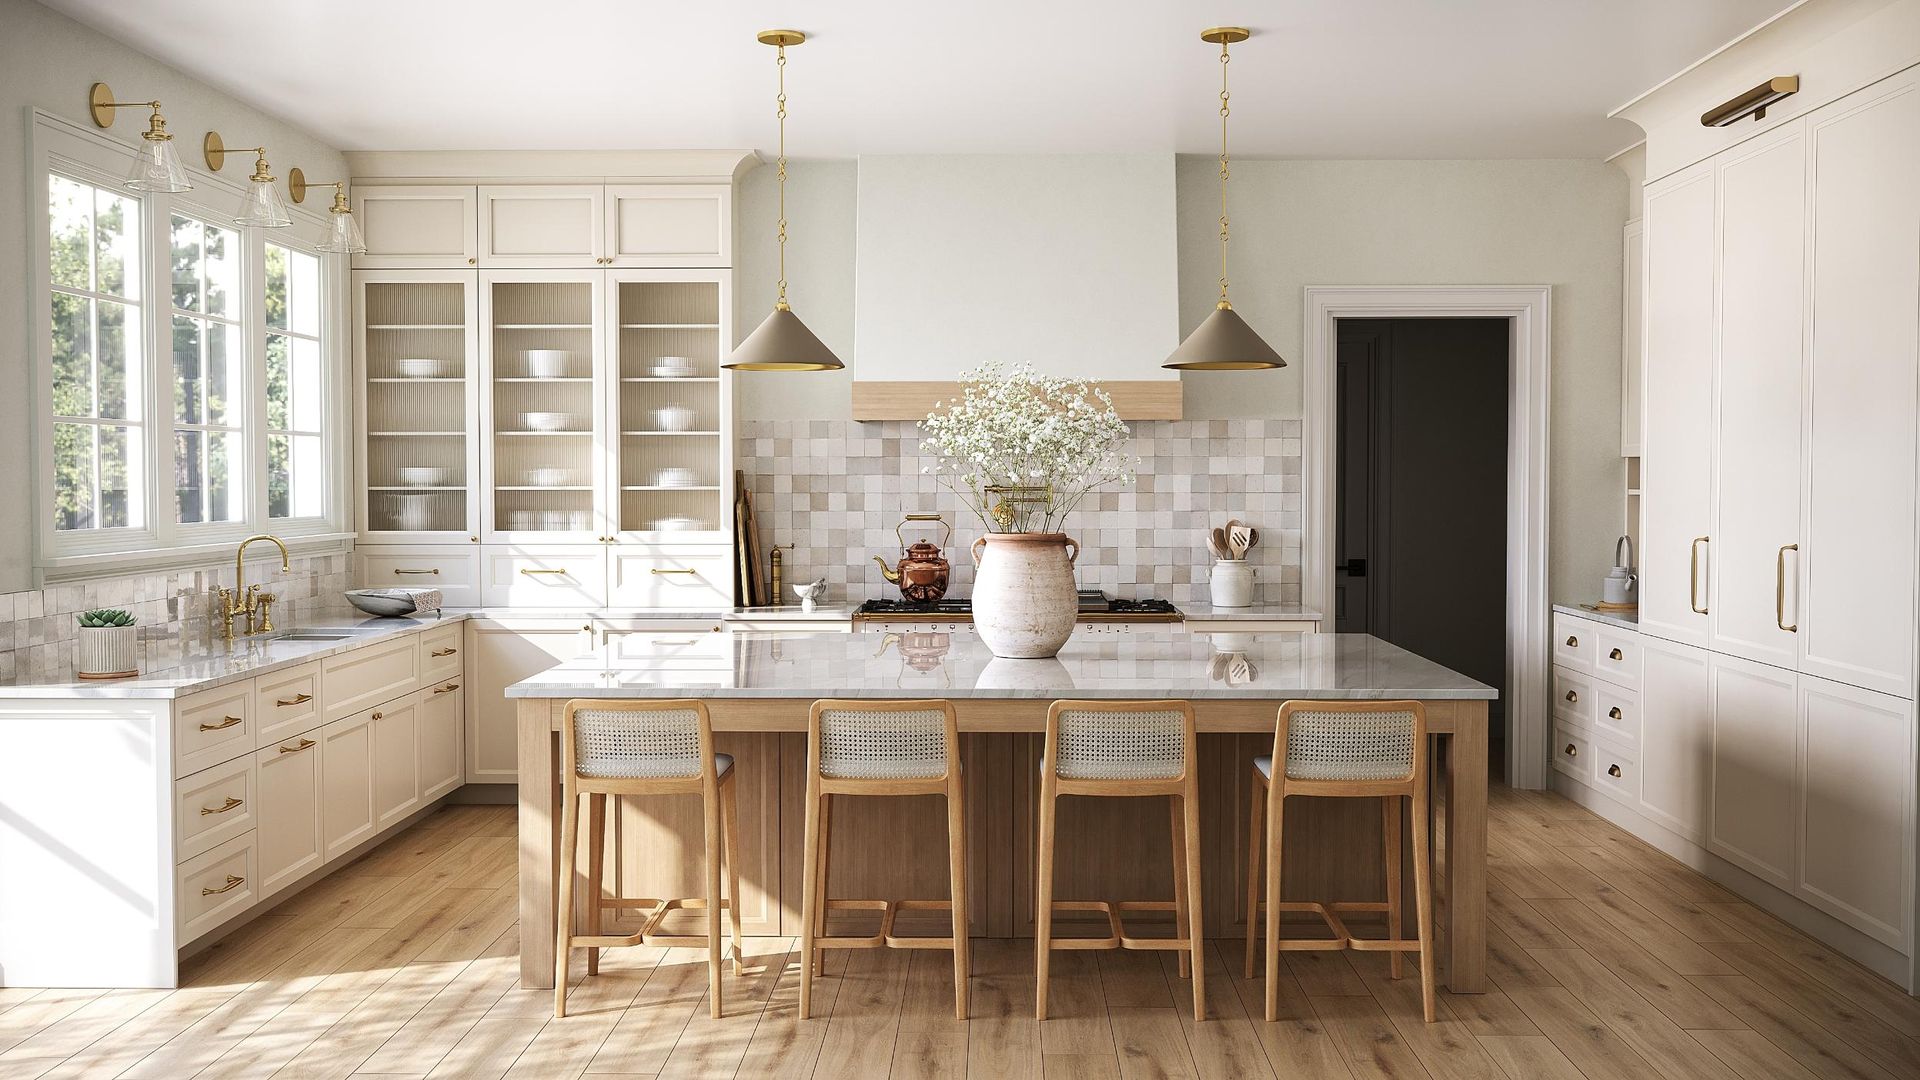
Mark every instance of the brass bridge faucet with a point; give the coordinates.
(249, 598)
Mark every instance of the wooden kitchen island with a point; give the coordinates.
(1109, 849)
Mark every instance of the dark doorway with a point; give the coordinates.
(1420, 553)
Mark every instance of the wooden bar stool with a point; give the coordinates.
(1350, 749)
(1126, 749)
(882, 748)
(615, 748)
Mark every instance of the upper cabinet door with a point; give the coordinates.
(529, 226)
(1677, 475)
(1857, 571)
(1633, 340)
(416, 227)
(1757, 451)
(670, 225)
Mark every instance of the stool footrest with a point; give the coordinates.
(1117, 936)
(886, 938)
(1360, 944)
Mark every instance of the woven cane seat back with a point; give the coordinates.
(624, 744)
(1097, 744)
(1350, 745)
(863, 744)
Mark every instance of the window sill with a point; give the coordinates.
(75, 568)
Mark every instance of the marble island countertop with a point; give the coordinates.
(1148, 663)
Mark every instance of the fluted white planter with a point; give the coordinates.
(1024, 600)
(107, 652)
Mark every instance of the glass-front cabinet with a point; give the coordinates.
(419, 405)
(669, 404)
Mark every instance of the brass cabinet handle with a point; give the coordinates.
(686, 641)
(232, 884)
(224, 724)
(1616, 654)
(657, 570)
(435, 571)
(1693, 572)
(231, 803)
(1572, 642)
(533, 570)
(297, 699)
(1613, 770)
(437, 653)
(1572, 696)
(1613, 713)
(447, 689)
(303, 744)
(1780, 588)
(1571, 750)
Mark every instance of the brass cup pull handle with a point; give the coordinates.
(224, 724)
(231, 804)
(1616, 654)
(1613, 713)
(658, 570)
(303, 744)
(297, 699)
(437, 653)
(447, 689)
(1573, 695)
(1613, 770)
(1572, 642)
(435, 571)
(1571, 750)
(1693, 573)
(1780, 588)
(530, 571)
(233, 883)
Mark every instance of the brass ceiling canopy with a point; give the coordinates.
(1223, 341)
(782, 342)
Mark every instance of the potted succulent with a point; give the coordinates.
(1022, 449)
(108, 645)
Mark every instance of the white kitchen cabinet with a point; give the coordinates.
(409, 226)
(396, 761)
(455, 571)
(542, 225)
(346, 783)
(1756, 730)
(216, 886)
(1677, 470)
(1633, 337)
(443, 724)
(679, 225)
(440, 653)
(213, 806)
(544, 576)
(1757, 445)
(1857, 569)
(501, 654)
(287, 702)
(291, 841)
(1676, 736)
(365, 677)
(670, 578)
(1856, 827)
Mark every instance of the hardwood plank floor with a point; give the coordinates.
(1609, 961)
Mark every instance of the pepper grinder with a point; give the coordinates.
(773, 563)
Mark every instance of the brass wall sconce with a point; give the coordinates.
(157, 168)
(261, 206)
(1753, 103)
(343, 236)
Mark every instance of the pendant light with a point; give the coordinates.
(261, 206)
(1223, 341)
(157, 168)
(782, 342)
(343, 235)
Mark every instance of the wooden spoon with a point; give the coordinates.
(1217, 540)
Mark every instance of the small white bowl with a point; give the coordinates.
(417, 367)
(547, 363)
(422, 476)
(547, 421)
(672, 367)
(676, 478)
(676, 524)
(673, 418)
(548, 476)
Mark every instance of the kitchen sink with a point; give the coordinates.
(299, 635)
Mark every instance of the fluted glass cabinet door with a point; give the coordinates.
(417, 355)
(670, 406)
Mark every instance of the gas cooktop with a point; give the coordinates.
(1095, 606)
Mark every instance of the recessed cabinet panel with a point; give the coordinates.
(291, 844)
(536, 226)
(417, 356)
(409, 226)
(1857, 821)
(346, 773)
(455, 571)
(670, 225)
(1755, 767)
(545, 577)
(1676, 736)
(369, 676)
(685, 579)
(442, 723)
(396, 761)
(502, 657)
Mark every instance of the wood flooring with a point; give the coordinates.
(1609, 960)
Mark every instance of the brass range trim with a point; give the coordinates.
(1085, 616)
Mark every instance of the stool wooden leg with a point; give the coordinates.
(957, 871)
(1043, 906)
(563, 911)
(1180, 904)
(596, 868)
(810, 897)
(1423, 894)
(1196, 923)
(1256, 839)
(1276, 803)
(1390, 818)
(819, 884)
(715, 972)
(730, 840)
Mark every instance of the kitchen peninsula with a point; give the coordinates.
(1109, 848)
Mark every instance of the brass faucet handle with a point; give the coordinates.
(265, 601)
(224, 607)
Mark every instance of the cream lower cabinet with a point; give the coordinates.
(1676, 735)
(346, 793)
(1756, 755)
(503, 653)
(291, 831)
(1856, 808)
(396, 761)
(443, 725)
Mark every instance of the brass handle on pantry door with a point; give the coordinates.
(1780, 588)
(1693, 572)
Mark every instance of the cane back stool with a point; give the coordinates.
(881, 748)
(1347, 749)
(614, 748)
(1123, 749)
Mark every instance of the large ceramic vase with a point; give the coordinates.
(1024, 600)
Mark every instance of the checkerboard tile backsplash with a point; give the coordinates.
(835, 490)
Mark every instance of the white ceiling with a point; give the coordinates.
(1320, 78)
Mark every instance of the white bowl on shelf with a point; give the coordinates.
(673, 418)
(549, 476)
(547, 363)
(676, 524)
(676, 478)
(672, 367)
(423, 476)
(413, 512)
(547, 421)
(418, 367)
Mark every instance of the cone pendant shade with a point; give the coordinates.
(1224, 342)
(783, 343)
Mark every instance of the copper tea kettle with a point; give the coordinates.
(922, 574)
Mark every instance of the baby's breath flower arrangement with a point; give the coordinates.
(1022, 449)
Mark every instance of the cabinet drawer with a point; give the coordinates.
(212, 727)
(691, 579)
(370, 676)
(1615, 772)
(455, 571)
(1573, 696)
(216, 886)
(1616, 714)
(286, 703)
(1617, 656)
(551, 578)
(1574, 641)
(440, 658)
(1572, 753)
(697, 646)
(212, 806)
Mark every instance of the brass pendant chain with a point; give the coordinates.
(781, 64)
(1224, 96)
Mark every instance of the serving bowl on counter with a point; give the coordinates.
(389, 603)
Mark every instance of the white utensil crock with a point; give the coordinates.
(1231, 583)
(1024, 602)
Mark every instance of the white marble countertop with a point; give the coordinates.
(1149, 663)
(1626, 620)
(793, 613)
(1204, 612)
(170, 669)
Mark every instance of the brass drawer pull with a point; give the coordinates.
(434, 571)
(447, 689)
(1614, 713)
(1693, 572)
(1616, 654)
(1572, 696)
(297, 699)
(1571, 750)
(683, 641)
(437, 653)
(231, 803)
(1572, 642)
(657, 570)
(223, 725)
(1780, 589)
(232, 884)
(533, 570)
(303, 744)
(1613, 770)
